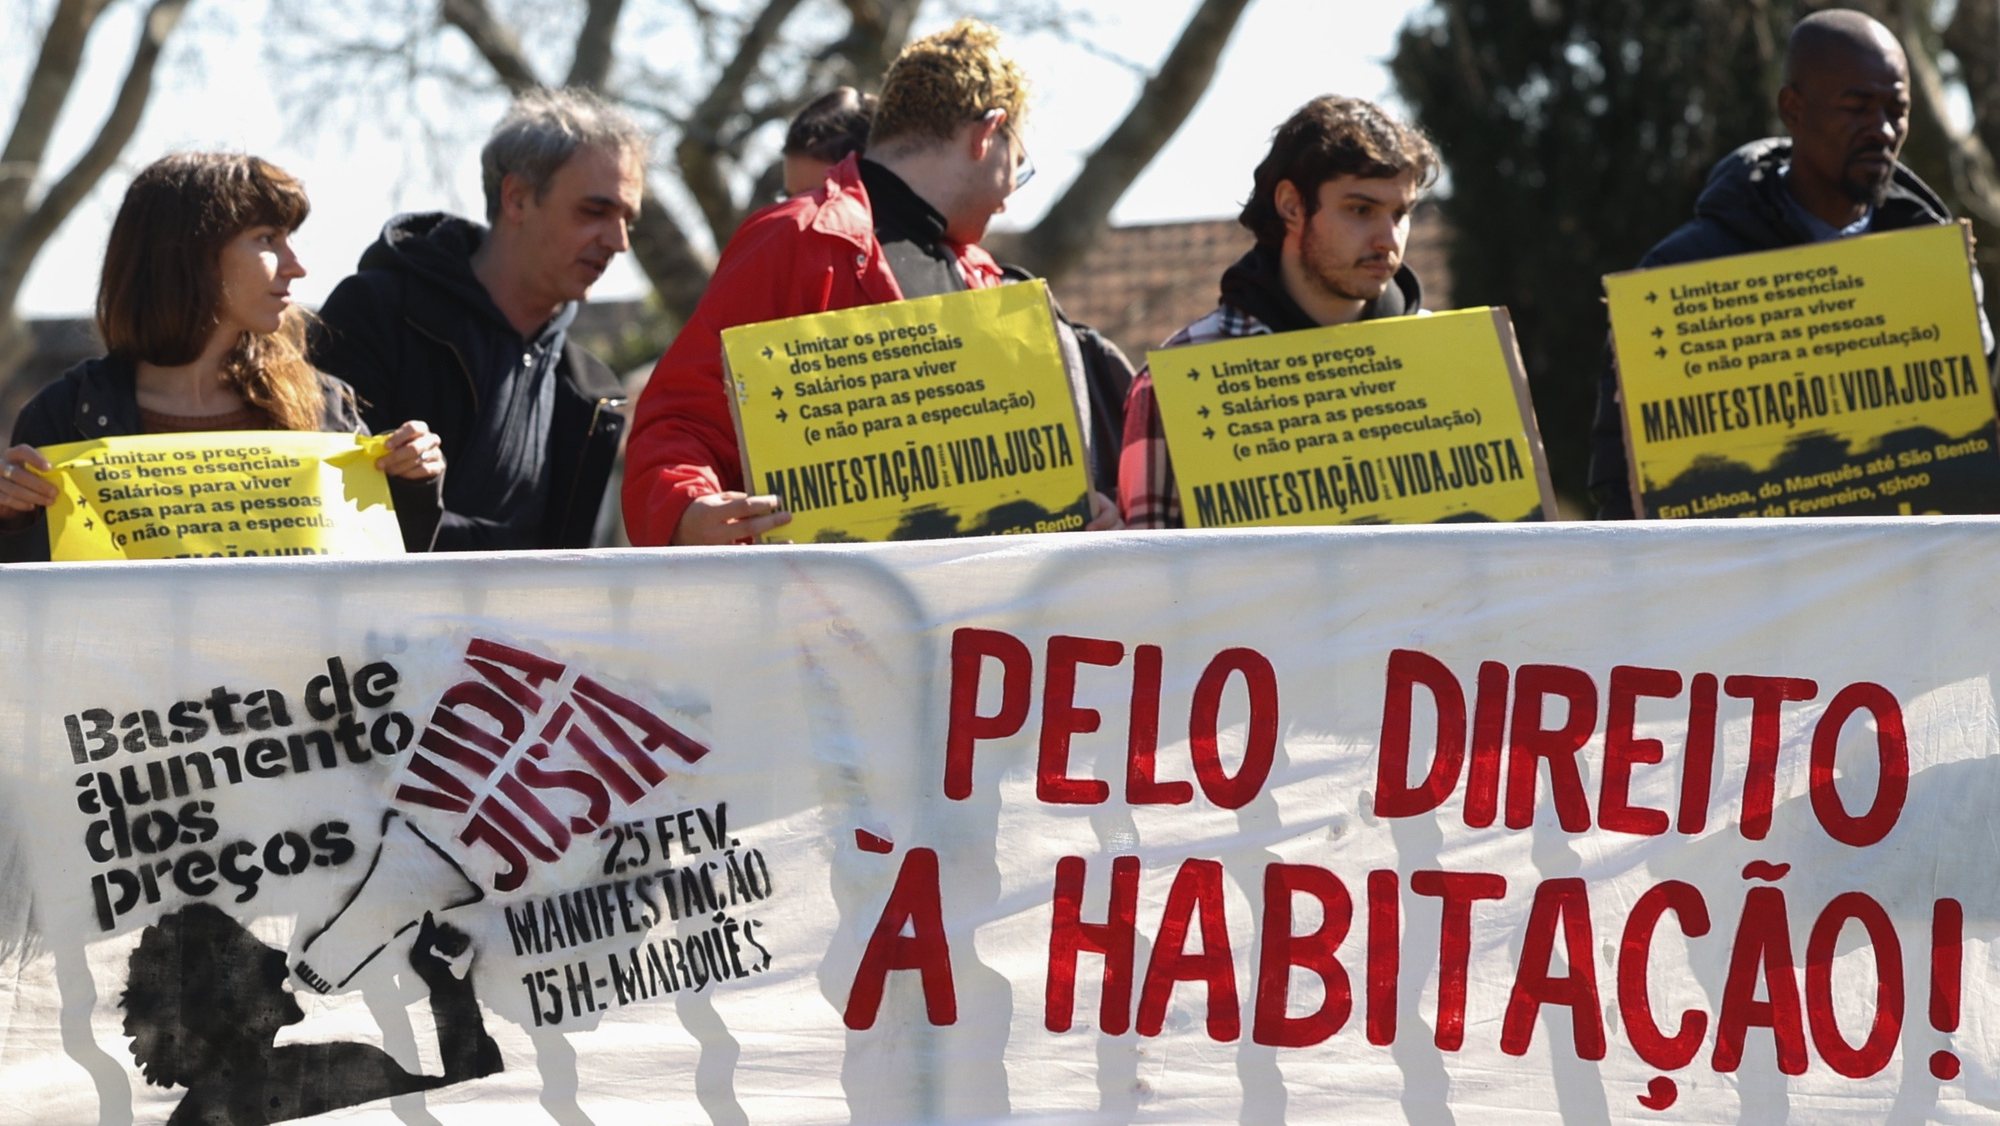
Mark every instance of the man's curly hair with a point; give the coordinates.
(943, 81)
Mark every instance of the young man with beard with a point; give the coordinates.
(1846, 105)
(468, 325)
(1330, 206)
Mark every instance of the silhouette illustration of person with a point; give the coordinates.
(204, 1000)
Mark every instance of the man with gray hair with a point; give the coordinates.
(467, 325)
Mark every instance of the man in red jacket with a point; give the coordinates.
(901, 220)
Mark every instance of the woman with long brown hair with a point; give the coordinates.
(194, 306)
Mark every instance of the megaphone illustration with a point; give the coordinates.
(409, 877)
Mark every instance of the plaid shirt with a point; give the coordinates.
(1147, 494)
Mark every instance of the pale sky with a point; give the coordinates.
(1283, 53)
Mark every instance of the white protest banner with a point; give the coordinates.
(1647, 824)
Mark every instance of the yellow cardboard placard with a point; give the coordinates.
(922, 419)
(1840, 378)
(1408, 420)
(220, 494)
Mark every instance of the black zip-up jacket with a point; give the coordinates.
(1743, 209)
(409, 329)
(99, 399)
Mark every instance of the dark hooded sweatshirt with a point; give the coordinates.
(529, 427)
(1256, 285)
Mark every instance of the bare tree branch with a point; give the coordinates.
(876, 35)
(48, 88)
(1972, 166)
(1059, 241)
(678, 271)
(591, 64)
(494, 40)
(25, 240)
(1972, 35)
(701, 143)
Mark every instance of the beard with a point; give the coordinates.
(1343, 280)
(1867, 187)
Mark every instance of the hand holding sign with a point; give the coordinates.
(922, 419)
(21, 489)
(228, 494)
(414, 453)
(731, 517)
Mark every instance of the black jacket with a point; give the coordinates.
(408, 331)
(99, 399)
(1743, 209)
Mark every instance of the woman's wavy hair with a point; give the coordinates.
(160, 294)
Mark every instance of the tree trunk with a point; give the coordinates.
(25, 229)
(495, 42)
(590, 63)
(48, 88)
(878, 31)
(702, 146)
(679, 272)
(1059, 241)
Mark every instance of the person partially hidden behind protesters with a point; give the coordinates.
(204, 1002)
(831, 128)
(195, 310)
(1330, 205)
(468, 325)
(1846, 104)
(902, 220)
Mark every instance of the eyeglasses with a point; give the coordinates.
(1024, 165)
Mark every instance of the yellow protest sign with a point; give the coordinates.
(1840, 378)
(1408, 420)
(921, 419)
(220, 494)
